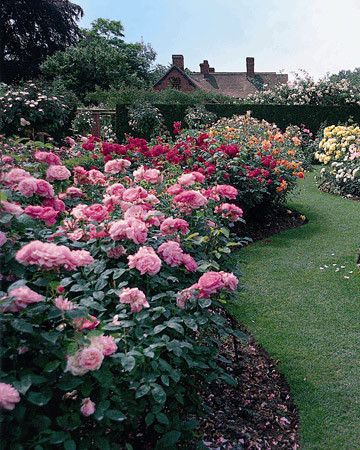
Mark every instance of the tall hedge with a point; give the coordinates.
(312, 116)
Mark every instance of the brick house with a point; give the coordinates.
(234, 84)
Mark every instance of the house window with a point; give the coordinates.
(175, 82)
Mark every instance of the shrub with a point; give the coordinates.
(339, 152)
(32, 108)
(112, 287)
(198, 117)
(145, 120)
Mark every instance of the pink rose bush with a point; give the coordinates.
(112, 276)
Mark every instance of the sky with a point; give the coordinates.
(318, 36)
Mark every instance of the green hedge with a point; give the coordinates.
(312, 116)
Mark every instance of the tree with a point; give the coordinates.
(101, 60)
(31, 30)
(353, 76)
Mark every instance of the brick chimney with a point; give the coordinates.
(250, 67)
(204, 67)
(178, 61)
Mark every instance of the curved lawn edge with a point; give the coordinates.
(307, 318)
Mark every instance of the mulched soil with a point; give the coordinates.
(258, 413)
(273, 222)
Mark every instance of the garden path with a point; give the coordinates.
(301, 301)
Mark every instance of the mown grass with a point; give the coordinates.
(309, 319)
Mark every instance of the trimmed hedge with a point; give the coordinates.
(312, 116)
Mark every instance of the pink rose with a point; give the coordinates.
(135, 298)
(171, 253)
(87, 407)
(115, 189)
(44, 189)
(185, 295)
(64, 304)
(133, 194)
(116, 252)
(83, 323)
(48, 158)
(90, 358)
(226, 191)
(74, 192)
(55, 203)
(189, 263)
(116, 166)
(230, 281)
(9, 396)
(73, 365)
(188, 200)
(211, 282)
(11, 208)
(6, 159)
(170, 226)
(79, 212)
(96, 212)
(229, 211)
(55, 172)
(133, 229)
(3, 238)
(145, 261)
(23, 296)
(187, 179)
(152, 176)
(175, 189)
(15, 176)
(96, 177)
(27, 186)
(46, 214)
(106, 344)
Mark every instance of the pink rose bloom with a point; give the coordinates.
(106, 344)
(27, 187)
(185, 295)
(15, 176)
(175, 189)
(81, 258)
(96, 177)
(230, 281)
(170, 226)
(135, 298)
(74, 192)
(115, 189)
(189, 200)
(226, 191)
(87, 407)
(90, 358)
(6, 159)
(76, 235)
(211, 282)
(54, 203)
(48, 158)
(135, 212)
(73, 365)
(11, 208)
(229, 211)
(9, 396)
(145, 261)
(133, 194)
(132, 229)
(116, 166)
(23, 296)
(171, 253)
(82, 323)
(79, 212)
(187, 179)
(3, 238)
(57, 173)
(189, 263)
(152, 176)
(44, 189)
(44, 213)
(96, 212)
(116, 252)
(64, 304)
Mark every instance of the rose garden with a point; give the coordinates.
(176, 274)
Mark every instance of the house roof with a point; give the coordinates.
(181, 72)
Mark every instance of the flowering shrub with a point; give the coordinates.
(111, 287)
(145, 120)
(306, 91)
(31, 108)
(339, 151)
(198, 117)
(83, 123)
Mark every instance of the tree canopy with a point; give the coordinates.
(31, 30)
(101, 60)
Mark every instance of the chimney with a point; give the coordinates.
(204, 67)
(178, 61)
(250, 67)
(211, 70)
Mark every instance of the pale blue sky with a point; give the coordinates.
(316, 35)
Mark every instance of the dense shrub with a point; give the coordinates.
(339, 151)
(31, 108)
(198, 117)
(145, 120)
(112, 283)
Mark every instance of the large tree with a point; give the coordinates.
(101, 60)
(31, 30)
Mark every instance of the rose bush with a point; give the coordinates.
(339, 151)
(112, 285)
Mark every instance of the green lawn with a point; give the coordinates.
(309, 319)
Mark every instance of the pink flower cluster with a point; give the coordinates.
(47, 158)
(229, 211)
(9, 396)
(135, 298)
(133, 229)
(45, 213)
(115, 166)
(145, 261)
(56, 172)
(152, 176)
(171, 226)
(173, 255)
(22, 297)
(186, 201)
(51, 256)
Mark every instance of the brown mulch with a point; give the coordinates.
(258, 413)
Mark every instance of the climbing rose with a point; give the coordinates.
(87, 407)
(135, 298)
(145, 261)
(90, 358)
(9, 396)
(106, 344)
(23, 296)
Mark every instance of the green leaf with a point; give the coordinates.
(51, 366)
(51, 336)
(57, 437)
(142, 390)
(162, 418)
(70, 445)
(116, 415)
(128, 363)
(23, 385)
(69, 383)
(149, 418)
(176, 326)
(169, 440)
(22, 325)
(158, 393)
(40, 398)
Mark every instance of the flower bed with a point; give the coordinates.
(339, 151)
(112, 284)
